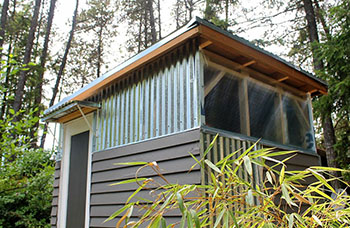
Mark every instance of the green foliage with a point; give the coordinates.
(240, 195)
(26, 189)
(335, 52)
(25, 173)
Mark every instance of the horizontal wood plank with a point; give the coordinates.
(149, 145)
(148, 156)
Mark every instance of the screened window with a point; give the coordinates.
(222, 100)
(298, 126)
(264, 113)
(239, 104)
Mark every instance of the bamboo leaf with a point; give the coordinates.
(183, 221)
(210, 145)
(318, 221)
(234, 219)
(278, 153)
(180, 202)
(218, 219)
(195, 218)
(322, 180)
(291, 221)
(281, 178)
(250, 198)
(248, 165)
(129, 181)
(286, 196)
(118, 212)
(328, 169)
(300, 198)
(163, 222)
(166, 202)
(155, 222)
(131, 163)
(268, 176)
(197, 162)
(189, 219)
(212, 166)
(321, 193)
(136, 191)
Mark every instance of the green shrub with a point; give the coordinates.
(26, 174)
(272, 197)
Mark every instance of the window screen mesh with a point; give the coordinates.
(222, 102)
(273, 115)
(298, 123)
(264, 113)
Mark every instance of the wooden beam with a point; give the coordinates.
(248, 63)
(245, 50)
(313, 91)
(213, 83)
(282, 79)
(236, 66)
(142, 61)
(205, 44)
(74, 115)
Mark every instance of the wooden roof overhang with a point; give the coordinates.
(71, 110)
(218, 45)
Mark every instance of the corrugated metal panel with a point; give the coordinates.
(150, 104)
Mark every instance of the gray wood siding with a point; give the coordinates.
(55, 192)
(170, 152)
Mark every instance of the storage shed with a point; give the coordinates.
(171, 99)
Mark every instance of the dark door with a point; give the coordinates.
(77, 180)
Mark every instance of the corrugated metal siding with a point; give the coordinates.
(151, 103)
(170, 152)
(55, 192)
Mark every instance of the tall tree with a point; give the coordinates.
(39, 87)
(99, 24)
(327, 122)
(61, 69)
(27, 57)
(142, 23)
(5, 7)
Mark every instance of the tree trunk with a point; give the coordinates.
(139, 35)
(159, 21)
(5, 104)
(152, 21)
(177, 16)
(226, 13)
(43, 57)
(312, 31)
(99, 52)
(5, 7)
(27, 55)
(61, 70)
(321, 18)
(327, 123)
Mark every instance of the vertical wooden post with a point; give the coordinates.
(283, 118)
(244, 106)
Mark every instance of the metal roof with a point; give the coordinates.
(249, 44)
(67, 108)
(190, 25)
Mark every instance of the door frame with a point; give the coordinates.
(71, 128)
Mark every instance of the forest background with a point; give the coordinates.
(45, 57)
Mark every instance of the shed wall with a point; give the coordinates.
(226, 144)
(54, 210)
(157, 100)
(171, 154)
